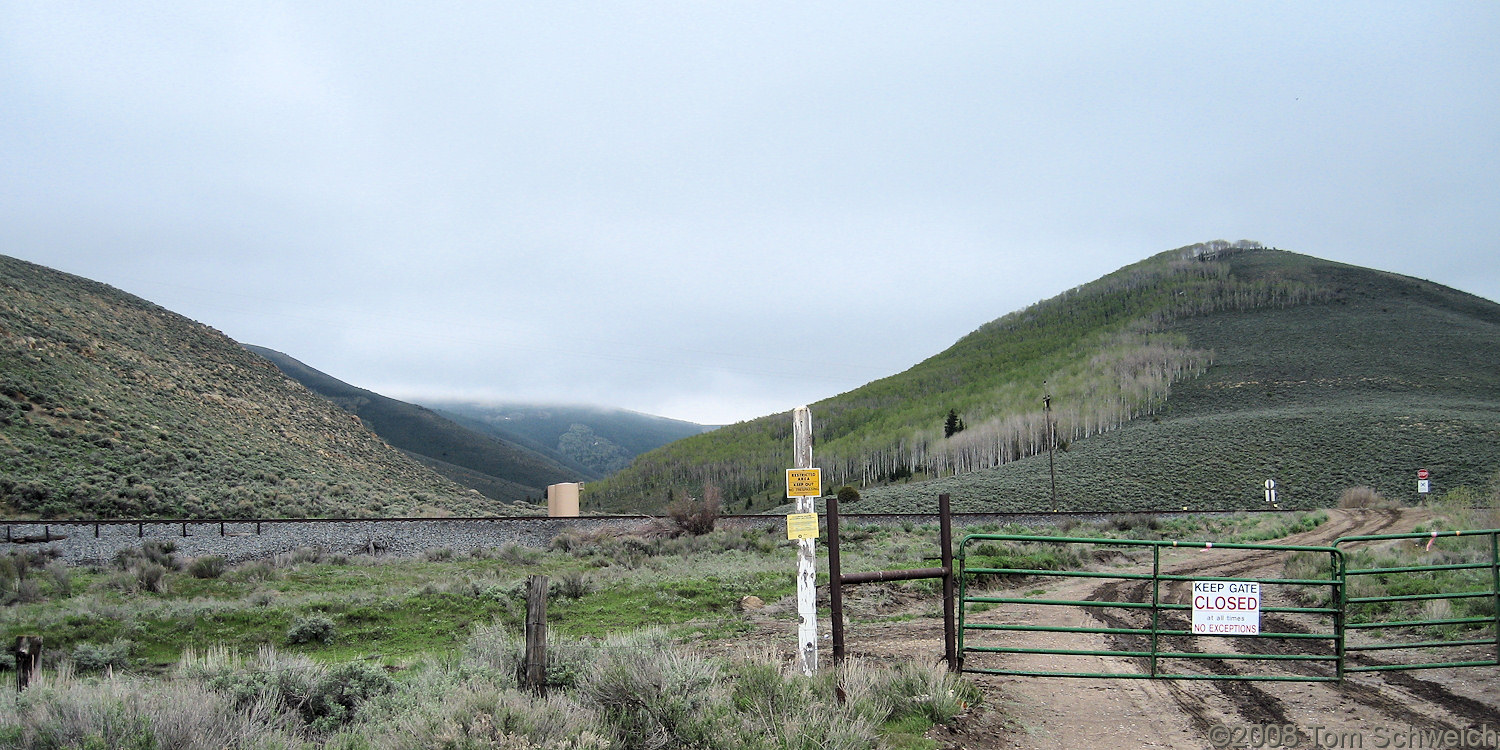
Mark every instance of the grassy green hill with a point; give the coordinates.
(111, 406)
(594, 440)
(1186, 379)
(497, 468)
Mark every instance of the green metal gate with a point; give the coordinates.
(1145, 624)
(1466, 571)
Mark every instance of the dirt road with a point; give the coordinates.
(1381, 709)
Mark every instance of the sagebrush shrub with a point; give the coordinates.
(131, 712)
(656, 695)
(694, 516)
(62, 578)
(90, 658)
(208, 566)
(1362, 496)
(333, 699)
(151, 551)
(312, 628)
(152, 577)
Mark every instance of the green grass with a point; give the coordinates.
(415, 615)
(403, 609)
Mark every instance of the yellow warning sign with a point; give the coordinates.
(802, 526)
(804, 482)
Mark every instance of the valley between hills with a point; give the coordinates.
(1183, 381)
(1180, 383)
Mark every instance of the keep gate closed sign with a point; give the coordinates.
(1226, 608)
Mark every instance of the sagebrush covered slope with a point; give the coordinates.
(1186, 379)
(1389, 375)
(499, 469)
(111, 406)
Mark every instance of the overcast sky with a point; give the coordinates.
(715, 211)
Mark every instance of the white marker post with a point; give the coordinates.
(807, 571)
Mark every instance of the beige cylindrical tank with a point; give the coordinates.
(562, 499)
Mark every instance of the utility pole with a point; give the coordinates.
(1051, 442)
(807, 572)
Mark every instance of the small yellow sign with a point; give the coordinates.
(804, 482)
(802, 526)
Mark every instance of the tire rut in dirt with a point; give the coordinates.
(1365, 695)
(1469, 709)
(1254, 706)
(1432, 693)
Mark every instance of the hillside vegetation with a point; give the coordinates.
(111, 406)
(496, 468)
(594, 441)
(1186, 379)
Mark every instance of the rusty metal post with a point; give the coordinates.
(835, 582)
(950, 620)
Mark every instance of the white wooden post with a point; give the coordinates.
(807, 571)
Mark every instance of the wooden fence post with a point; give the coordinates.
(535, 677)
(807, 561)
(28, 652)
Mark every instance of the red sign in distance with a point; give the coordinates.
(1421, 473)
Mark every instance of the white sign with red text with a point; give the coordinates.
(1226, 608)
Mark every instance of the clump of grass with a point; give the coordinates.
(438, 554)
(298, 556)
(1025, 556)
(1464, 508)
(1309, 566)
(1263, 527)
(572, 585)
(649, 691)
(1135, 522)
(258, 571)
(208, 566)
